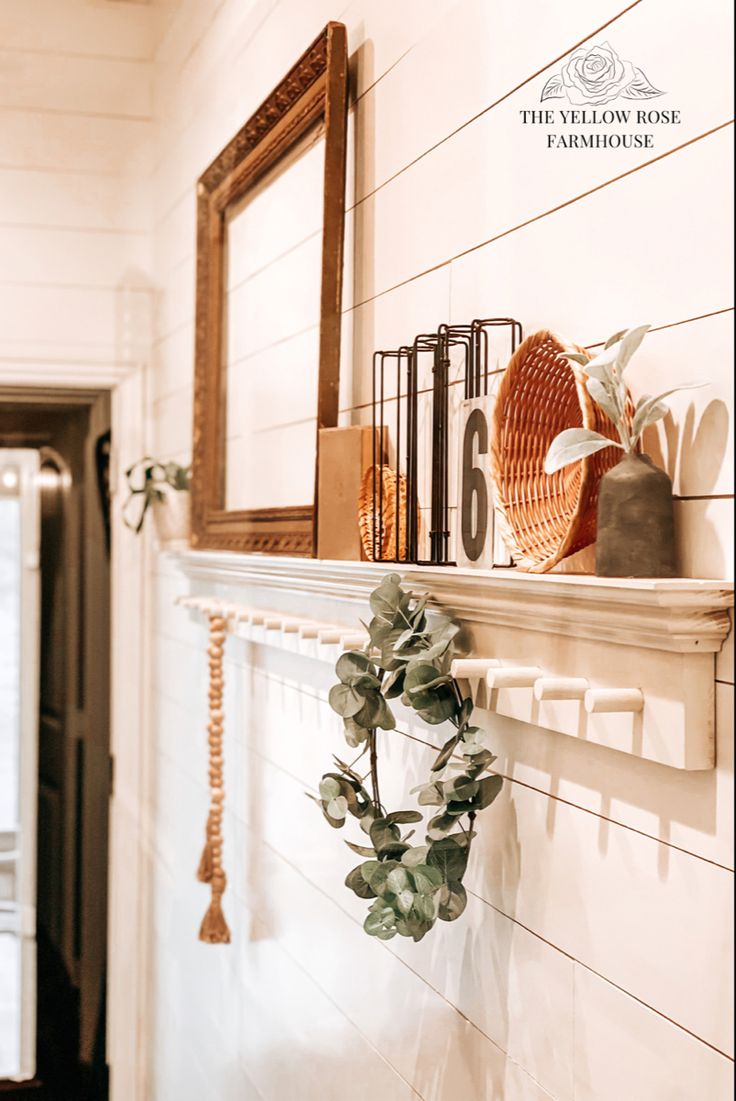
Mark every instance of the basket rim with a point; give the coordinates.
(508, 379)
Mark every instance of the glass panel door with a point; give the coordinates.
(19, 626)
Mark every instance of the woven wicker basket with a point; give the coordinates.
(387, 542)
(544, 518)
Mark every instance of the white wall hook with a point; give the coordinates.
(329, 636)
(309, 630)
(472, 668)
(353, 642)
(560, 688)
(513, 676)
(605, 700)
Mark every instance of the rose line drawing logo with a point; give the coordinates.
(598, 75)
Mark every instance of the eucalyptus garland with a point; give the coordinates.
(408, 657)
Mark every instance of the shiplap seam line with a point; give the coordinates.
(68, 112)
(491, 106)
(544, 214)
(399, 959)
(111, 231)
(598, 344)
(538, 936)
(243, 666)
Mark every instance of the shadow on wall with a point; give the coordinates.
(694, 450)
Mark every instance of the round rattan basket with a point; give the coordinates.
(544, 518)
(374, 480)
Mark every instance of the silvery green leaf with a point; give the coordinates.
(405, 900)
(337, 808)
(604, 359)
(329, 789)
(431, 795)
(645, 405)
(615, 338)
(603, 397)
(452, 901)
(353, 663)
(414, 856)
(397, 880)
(361, 850)
(574, 444)
(403, 817)
(440, 826)
(345, 700)
(629, 343)
(577, 357)
(355, 881)
(449, 857)
(489, 788)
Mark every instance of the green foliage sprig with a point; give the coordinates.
(155, 475)
(408, 657)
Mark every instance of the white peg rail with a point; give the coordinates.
(307, 636)
(628, 665)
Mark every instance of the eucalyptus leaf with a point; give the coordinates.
(488, 789)
(403, 816)
(452, 901)
(449, 857)
(414, 856)
(445, 753)
(329, 788)
(440, 826)
(357, 883)
(345, 700)
(353, 663)
(574, 444)
(337, 808)
(361, 850)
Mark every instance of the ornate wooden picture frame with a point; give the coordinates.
(313, 92)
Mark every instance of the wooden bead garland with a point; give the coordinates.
(214, 929)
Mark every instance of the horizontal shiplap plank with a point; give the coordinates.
(111, 30)
(45, 256)
(84, 85)
(72, 143)
(118, 319)
(477, 47)
(622, 1049)
(605, 289)
(270, 900)
(704, 532)
(619, 925)
(70, 200)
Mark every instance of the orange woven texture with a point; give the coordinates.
(544, 518)
(382, 482)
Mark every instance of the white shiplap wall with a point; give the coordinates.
(591, 962)
(75, 107)
(592, 959)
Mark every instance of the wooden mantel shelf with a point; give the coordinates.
(626, 664)
(682, 615)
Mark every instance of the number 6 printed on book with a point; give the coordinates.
(477, 543)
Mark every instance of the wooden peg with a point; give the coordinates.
(605, 700)
(513, 676)
(560, 688)
(472, 668)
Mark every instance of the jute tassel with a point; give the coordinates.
(213, 929)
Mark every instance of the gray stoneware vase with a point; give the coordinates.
(636, 530)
